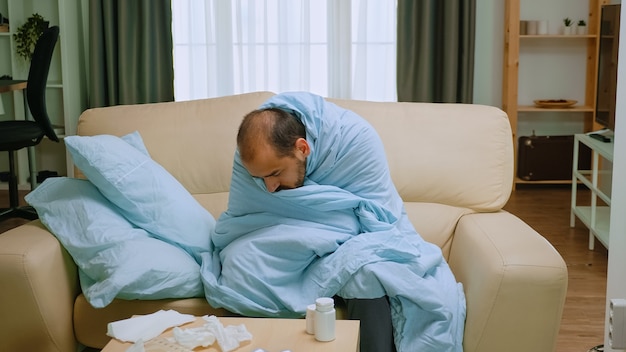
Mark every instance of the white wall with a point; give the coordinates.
(616, 283)
(488, 52)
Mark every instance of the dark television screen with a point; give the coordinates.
(607, 66)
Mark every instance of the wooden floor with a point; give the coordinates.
(547, 211)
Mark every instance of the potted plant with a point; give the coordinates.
(27, 34)
(581, 27)
(567, 26)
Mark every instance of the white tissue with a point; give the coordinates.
(193, 337)
(148, 326)
(228, 338)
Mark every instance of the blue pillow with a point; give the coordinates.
(136, 141)
(115, 258)
(147, 195)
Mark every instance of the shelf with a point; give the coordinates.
(4, 186)
(558, 36)
(595, 216)
(604, 149)
(584, 176)
(601, 228)
(543, 182)
(575, 108)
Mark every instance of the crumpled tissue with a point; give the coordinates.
(142, 330)
(146, 327)
(228, 337)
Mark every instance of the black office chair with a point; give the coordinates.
(18, 134)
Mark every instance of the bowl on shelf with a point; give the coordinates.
(555, 103)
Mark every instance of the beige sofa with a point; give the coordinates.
(451, 163)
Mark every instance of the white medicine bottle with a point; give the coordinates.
(324, 321)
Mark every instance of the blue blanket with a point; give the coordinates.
(344, 232)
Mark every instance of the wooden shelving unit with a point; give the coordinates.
(514, 45)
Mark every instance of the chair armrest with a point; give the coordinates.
(515, 284)
(39, 285)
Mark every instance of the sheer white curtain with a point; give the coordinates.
(334, 48)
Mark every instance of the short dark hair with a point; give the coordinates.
(275, 126)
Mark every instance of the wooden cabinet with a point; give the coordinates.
(66, 90)
(552, 65)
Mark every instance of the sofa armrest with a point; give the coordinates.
(515, 284)
(39, 285)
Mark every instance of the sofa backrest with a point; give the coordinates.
(455, 154)
(193, 140)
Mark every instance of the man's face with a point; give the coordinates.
(278, 173)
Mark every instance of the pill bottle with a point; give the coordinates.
(310, 318)
(324, 322)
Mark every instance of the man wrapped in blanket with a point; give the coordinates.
(313, 212)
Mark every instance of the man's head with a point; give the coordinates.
(272, 146)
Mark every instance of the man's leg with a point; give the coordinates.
(375, 317)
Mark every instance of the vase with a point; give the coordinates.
(531, 29)
(542, 27)
(568, 30)
(581, 30)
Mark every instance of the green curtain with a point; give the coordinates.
(130, 52)
(435, 52)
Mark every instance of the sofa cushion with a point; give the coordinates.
(435, 222)
(105, 246)
(146, 194)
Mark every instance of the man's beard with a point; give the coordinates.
(301, 172)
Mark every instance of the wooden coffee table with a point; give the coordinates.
(274, 335)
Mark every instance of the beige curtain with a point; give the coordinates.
(130, 52)
(435, 58)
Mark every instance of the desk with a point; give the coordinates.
(10, 85)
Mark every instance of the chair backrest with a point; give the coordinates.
(38, 77)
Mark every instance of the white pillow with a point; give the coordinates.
(115, 259)
(147, 195)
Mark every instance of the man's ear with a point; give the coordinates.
(302, 146)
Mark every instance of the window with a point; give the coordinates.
(340, 49)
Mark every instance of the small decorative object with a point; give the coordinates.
(523, 27)
(581, 27)
(542, 27)
(4, 24)
(555, 103)
(27, 34)
(310, 319)
(567, 26)
(531, 29)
